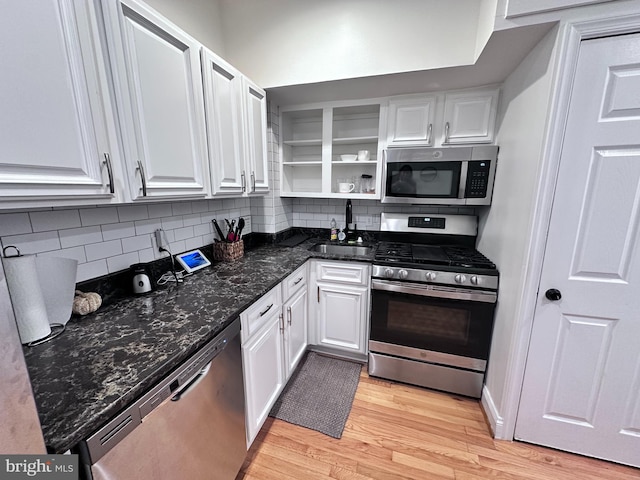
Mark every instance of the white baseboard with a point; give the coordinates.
(496, 422)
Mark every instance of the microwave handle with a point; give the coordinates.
(464, 170)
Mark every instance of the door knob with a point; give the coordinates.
(553, 294)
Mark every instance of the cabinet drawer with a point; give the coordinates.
(343, 272)
(294, 282)
(253, 318)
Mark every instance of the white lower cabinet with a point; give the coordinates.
(296, 315)
(262, 358)
(274, 339)
(340, 319)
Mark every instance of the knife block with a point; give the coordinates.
(223, 251)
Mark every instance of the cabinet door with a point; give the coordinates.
(342, 317)
(54, 135)
(469, 117)
(223, 98)
(295, 311)
(158, 88)
(263, 360)
(257, 163)
(411, 121)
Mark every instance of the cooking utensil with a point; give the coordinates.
(240, 227)
(231, 235)
(219, 231)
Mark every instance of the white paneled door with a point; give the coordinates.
(581, 389)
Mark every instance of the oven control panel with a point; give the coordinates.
(488, 282)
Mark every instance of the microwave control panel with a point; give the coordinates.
(477, 179)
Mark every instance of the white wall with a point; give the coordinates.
(505, 229)
(201, 18)
(290, 42)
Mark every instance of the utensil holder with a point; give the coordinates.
(223, 251)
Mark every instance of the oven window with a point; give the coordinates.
(428, 323)
(448, 323)
(423, 179)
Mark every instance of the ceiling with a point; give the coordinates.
(502, 54)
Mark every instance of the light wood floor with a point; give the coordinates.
(401, 432)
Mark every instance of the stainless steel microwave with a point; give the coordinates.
(439, 176)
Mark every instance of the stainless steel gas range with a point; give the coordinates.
(433, 302)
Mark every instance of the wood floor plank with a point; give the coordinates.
(401, 432)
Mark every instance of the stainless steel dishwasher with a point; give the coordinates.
(191, 425)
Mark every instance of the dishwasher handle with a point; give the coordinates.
(191, 384)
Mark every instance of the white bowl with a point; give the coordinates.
(347, 158)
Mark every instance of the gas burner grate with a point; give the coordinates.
(467, 257)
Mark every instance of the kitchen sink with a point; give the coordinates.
(339, 249)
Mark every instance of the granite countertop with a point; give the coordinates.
(106, 360)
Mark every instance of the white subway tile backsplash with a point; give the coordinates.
(54, 220)
(148, 255)
(203, 229)
(122, 262)
(89, 270)
(129, 213)
(200, 206)
(14, 224)
(74, 253)
(131, 244)
(118, 230)
(194, 242)
(183, 233)
(98, 216)
(80, 236)
(158, 210)
(191, 219)
(96, 251)
(181, 208)
(33, 242)
(143, 227)
(171, 223)
(178, 246)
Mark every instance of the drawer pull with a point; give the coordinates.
(266, 310)
(298, 281)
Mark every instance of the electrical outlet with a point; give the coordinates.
(161, 239)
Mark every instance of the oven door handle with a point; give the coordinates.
(435, 291)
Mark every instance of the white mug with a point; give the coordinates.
(346, 187)
(363, 155)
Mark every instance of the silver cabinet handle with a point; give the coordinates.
(281, 323)
(429, 130)
(446, 133)
(253, 181)
(142, 178)
(107, 162)
(289, 312)
(244, 183)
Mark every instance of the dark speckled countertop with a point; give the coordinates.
(106, 360)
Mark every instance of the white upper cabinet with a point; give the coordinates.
(236, 112)
(411, 120)
(257, 161)
(158, 86)
(56, 140)
(223, 98)
(469, 117)
(447, 118)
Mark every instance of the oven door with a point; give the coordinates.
(444, 321)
